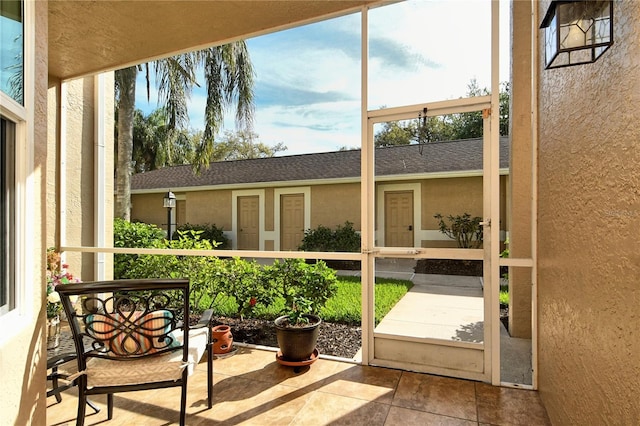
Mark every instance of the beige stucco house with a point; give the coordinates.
(268, 203)
(573, 179)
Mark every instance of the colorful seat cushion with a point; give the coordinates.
(133, 333)
(162, 367)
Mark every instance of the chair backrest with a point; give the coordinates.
(127, 319)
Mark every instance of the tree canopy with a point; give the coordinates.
(229, 78)
(153, 149)
(445, 127)
(243, 144)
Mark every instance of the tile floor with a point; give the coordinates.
(251, 388)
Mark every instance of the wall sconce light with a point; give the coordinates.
(577, 32)
(169, 202)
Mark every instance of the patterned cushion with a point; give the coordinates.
(162, 367)
(133, 333)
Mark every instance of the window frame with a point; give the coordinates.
(7, 218)
(24, 182)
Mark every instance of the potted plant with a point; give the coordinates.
(297, 331)
(56, 275)
(305, 289)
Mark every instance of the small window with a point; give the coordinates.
(7, 234)
(12, 49)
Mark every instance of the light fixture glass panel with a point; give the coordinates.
(572, 36)
(550, 39)
(577, 32)
(169, 200)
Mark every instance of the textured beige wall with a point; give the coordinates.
(450, 196)
(79, 171)
(22, 366)
(213, 207)
(269, 210)
(588, 228)
(333, 205)
(520, 173)
(148, 208)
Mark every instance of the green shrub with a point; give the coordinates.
(342, 239)
(202, 271)
(243, 280)
(504, 295)
(298, 283)
(208, 232)
(132, 234)
(463, 228)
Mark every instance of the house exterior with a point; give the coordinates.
(268, 203)
(579, 122)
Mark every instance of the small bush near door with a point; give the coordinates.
(207, 231)
(464, 229)
(344, 238)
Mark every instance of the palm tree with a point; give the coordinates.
(228, 76)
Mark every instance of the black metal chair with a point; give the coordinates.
(134, 335)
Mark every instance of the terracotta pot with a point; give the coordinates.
(297, 343)
(222, 339)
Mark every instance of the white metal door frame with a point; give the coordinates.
(491, 206)
(489, 254)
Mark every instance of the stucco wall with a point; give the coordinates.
(210, 207)
(520, 182)
(451, 196)
(78, 171)
(588, 228)
(333, 205)
(22, 343)
(148, 208)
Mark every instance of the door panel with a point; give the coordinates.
(248, 223)
(398, 218)
(291, 221)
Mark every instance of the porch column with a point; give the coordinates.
(520, 170)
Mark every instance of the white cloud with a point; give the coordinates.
(308, 78)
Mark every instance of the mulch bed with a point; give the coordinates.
(339, 340)
(469, 268)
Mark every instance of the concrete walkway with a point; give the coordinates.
(448, 307)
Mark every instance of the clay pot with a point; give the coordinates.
(222, 339)
(297, 343)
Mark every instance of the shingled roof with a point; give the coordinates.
(436, 157)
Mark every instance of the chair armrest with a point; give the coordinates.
(205, 319)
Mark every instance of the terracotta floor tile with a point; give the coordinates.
(238, 400)
(370, 383)
(243, 361)
(438, 395)
(309, 376)
(251, 388)
(329, 409)
(399, 416)
(506, 406)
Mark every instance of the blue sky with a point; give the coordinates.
(11, 52)
(307, 88)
